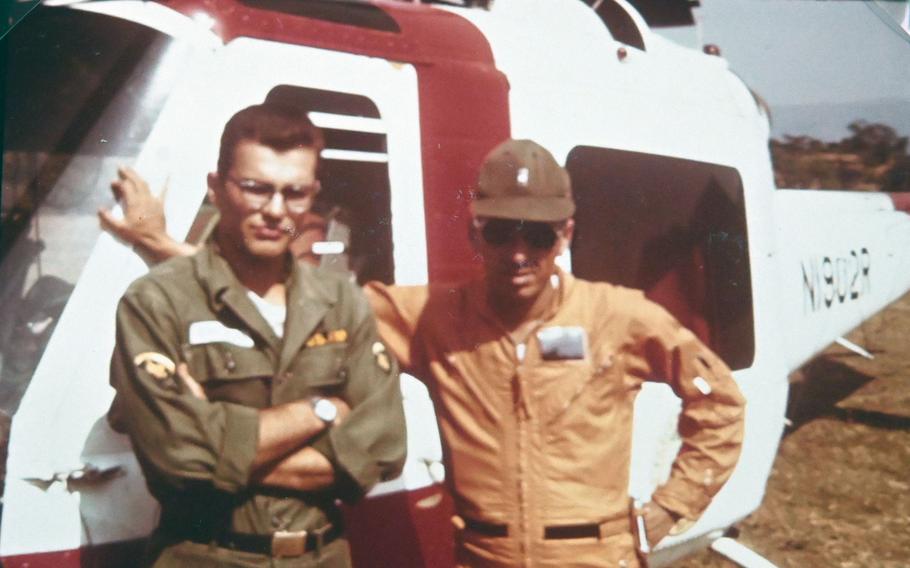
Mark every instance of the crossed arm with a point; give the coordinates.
(184, 437)
(280, 461)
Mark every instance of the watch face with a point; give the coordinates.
(325, 410)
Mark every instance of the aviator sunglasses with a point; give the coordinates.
(499, 232)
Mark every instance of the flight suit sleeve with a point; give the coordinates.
(711, 423)
(370, 444)
(398, 311)
(183, 438)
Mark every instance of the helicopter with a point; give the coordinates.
(666, 146)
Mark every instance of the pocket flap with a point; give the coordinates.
(227, 361)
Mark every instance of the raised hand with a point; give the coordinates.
(143, 224)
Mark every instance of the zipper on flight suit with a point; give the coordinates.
(523, 415)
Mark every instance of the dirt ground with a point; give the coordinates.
(839, 494)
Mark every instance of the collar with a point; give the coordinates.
(217, 277)
(563, 281)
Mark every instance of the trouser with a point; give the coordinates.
(165, 553)
(482, 545)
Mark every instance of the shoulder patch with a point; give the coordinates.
(159, 366)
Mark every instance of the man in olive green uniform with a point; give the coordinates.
(293, 401)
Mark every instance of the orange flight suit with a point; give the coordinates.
(536, 447)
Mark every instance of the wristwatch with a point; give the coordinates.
(325, 410)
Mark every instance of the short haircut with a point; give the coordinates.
(277, 126)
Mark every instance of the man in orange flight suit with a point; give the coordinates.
(534, 374)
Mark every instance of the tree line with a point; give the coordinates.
(872, 158)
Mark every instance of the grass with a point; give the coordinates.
(839, 493)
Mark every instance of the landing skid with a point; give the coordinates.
(739, 553)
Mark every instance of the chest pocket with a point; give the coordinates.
(577, 389)
(229, 373)
(320, 370)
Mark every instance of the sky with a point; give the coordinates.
(811, 57)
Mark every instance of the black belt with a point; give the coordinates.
(554, 532)
(484, 528)
(557, 532)
(281, 544)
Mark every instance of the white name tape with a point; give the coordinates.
(202, 332)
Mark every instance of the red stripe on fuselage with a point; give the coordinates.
(901, 201)
(464, 106)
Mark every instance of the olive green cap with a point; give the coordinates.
(520, 179)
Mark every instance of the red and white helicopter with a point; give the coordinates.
(668, 151)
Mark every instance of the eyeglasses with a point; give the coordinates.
(499, 232)
(257, 194)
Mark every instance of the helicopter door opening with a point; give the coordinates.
(350, 227)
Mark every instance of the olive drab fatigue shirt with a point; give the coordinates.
(541, 437)
(196, 454)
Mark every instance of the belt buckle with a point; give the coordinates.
(287, 544)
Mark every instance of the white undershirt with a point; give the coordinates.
(273, 314)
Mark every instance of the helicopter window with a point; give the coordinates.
(674, 228)
(619, 23)
(350, 227)
(79, 101)
(360, 14)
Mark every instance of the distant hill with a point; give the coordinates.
(828, 121)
